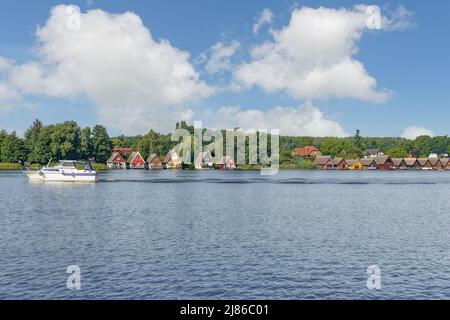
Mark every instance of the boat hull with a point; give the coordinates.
(59, 177)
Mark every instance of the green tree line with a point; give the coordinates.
(68, 140)
(57, 141)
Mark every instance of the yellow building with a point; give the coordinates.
(354, 165)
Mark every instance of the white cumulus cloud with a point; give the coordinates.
(134, 81)
(306, 120)
(264, 19)
(313, 57)
(220, 55)
(412, 132)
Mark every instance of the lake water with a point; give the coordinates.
(227, 235)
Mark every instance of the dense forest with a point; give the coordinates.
(69, 141)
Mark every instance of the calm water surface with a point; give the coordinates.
(227, 235)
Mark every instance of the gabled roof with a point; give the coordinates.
(321, 160)
(169, 155)
(381, 159)
(204, 157)
(134, 155)
(353, 162)
(410, 161)
(302, 152)
(367, 162)
(398, 161)
(337, 161)
(152, 157)
(113, 156)
(433, 160)
(423, 161)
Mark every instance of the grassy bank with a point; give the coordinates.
(297, 164)
(10, 166)
(96, 166)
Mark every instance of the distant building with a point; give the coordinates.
(339, 164)
(136, 161)
(372, 153)
(384, 162)
(425, 164)
(412, 164)
(227, 163)
(399, 164)
(324, 162)
(436, 163)
(154, 162)
(368, 164)
(445, 163)
(172, 160)
(116, 161)
(204, 161)
(354, 164)
(306, 152)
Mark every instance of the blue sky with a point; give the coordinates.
(412, 63)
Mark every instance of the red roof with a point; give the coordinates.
(303, 152)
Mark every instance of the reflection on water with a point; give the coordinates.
(211, 234)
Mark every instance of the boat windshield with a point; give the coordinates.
(88, 166)
(67, 164)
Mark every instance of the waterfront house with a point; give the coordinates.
(436, 163)
(307, 152)
(399, 164)
(339, 164)
(425, 164)
(368, 164)
(445, 163)
(354, 164)
(125, 152)
(172, 160)
(324, 162)
(204, 160)
(383, 162)
(116, 161)
(227, 163)
(412, 164)
(136, 161)
(154, 162)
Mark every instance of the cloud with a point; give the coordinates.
(306, 120)
(399, 19)
(8, 97)
(313, 57)
(5, 64)
(412, 132)
(220, 55)
(134, 81)
(264, 19)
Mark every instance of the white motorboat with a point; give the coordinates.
(64, 171)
